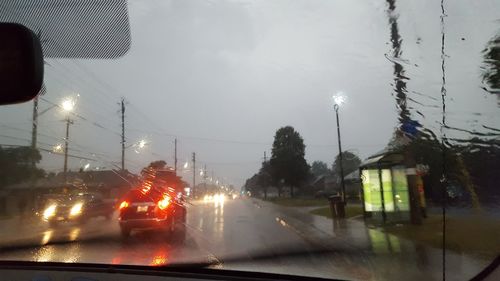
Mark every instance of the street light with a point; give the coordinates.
(141, 144)
(86, 167)
(138, 145)
(68, 105)
(338, 100)
(58, 148)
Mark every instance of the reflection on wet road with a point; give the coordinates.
(236, 230)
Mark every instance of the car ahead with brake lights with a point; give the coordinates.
(152, 209)
(75, 208)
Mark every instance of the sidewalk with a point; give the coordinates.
(347, 233)
(378, 251)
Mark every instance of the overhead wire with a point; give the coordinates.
(77, 84)
(96, 124)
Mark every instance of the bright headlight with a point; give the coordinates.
(76, 209)
(50, 211)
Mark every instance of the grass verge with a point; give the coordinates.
(350, 211)
(299, 202)
(473, 235)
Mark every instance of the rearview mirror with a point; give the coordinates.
(21, 64)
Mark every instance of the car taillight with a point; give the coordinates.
(123, 204)
(163, 203)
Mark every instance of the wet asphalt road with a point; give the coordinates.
(235, 229)
(229, 233)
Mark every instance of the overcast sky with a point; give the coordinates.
(222, 76)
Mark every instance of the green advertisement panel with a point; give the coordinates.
(401, 196)
(371, 191)
(387, 190)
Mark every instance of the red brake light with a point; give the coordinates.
(163, 203)
(123, 204)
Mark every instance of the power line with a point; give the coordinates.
(69, 155)
(77, 85)
(242, 142)
(150, 121)
(95, 78)
(89, 73)
(95, 103)
(83, 118)
(47, 136)
(27, 130)
(94, 154)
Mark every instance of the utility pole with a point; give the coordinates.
(194, 174)
(123, 132)
(265, 157)
(175, 156)
(34, 129)
(66, 139)
(205, 177)
(341, 160)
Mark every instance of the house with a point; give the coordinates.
(327, 184)
(352, 182)
(111, 184)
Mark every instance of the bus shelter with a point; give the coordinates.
(386, 196)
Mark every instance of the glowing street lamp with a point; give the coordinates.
(86, 167)
(141, 144)
(58, 148)
(68, 104)
(338, 100)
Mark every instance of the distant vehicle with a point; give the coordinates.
(152, 209)
(75, 208)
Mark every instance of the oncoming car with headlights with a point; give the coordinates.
(75, 208)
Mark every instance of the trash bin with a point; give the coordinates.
(337, 206)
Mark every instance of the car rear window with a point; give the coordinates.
(137, 196)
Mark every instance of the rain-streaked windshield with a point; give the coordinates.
(344, 139)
